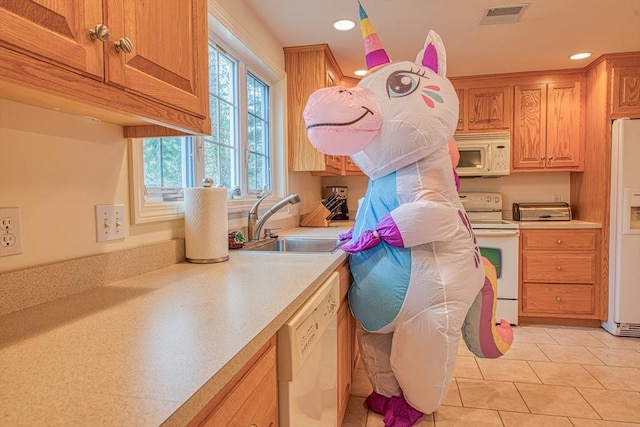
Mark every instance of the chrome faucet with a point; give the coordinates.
(255, 224)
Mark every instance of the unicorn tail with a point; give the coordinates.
(479, 331)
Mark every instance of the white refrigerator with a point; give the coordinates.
(624, 232)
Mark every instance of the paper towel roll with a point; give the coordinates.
(206, 225)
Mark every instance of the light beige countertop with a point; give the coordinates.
(556, 224)
(155, 348)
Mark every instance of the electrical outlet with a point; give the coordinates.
(10, 232)
(110, 222)
(557, 198)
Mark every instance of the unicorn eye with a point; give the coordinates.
(402, 83)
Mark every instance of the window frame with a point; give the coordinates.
(238, 47)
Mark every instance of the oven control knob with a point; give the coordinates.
(488, 198)
(496, 199)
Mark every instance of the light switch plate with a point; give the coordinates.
(110, 222)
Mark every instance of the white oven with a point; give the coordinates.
(499, 243)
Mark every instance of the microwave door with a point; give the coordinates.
(473, 160)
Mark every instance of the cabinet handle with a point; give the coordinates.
(559, 299)
(559, 268)
(559, 241)
(124, 44)
(100, 32)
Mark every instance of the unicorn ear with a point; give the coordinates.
(433, 55)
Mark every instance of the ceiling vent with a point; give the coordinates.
(503, 14)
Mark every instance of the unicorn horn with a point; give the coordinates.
(374, 52)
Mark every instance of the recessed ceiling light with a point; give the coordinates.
(344, 24)
(360, 73)
(582, 55)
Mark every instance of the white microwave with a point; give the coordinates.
(484, 154)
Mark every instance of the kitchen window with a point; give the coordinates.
(239, 154)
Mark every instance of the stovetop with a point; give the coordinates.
(485, 211)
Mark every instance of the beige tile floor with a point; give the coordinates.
(551, 377)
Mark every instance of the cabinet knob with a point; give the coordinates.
(542, 158)
(559, 268)
(550, 157)
(472, 120)
(124, 44)
(559, 241)
(100, 32)
(459, 120)
(559, 299)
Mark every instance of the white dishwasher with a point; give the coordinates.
(308, 361)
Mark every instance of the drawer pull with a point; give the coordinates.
(100, 32)
(124, 44)
(559, 299)
(559, 241)
(559, 268)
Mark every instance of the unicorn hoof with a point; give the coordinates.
(377, 403)
(400, 414)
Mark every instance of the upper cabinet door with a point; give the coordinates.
(161, 53)
(625, 92)
(461, 110)
(529, 127)
(57, 31)
(563, 126)
(489, 108)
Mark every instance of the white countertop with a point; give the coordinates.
(155, 348)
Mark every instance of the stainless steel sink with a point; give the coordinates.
(294, 244)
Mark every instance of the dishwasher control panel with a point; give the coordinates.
(301, 333)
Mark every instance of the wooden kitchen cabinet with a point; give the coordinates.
(310, 68)
(625, 92)
(547, 127)
(250, 398)
(51, 59)
(483, 109)
(346, 343)
(560, 274)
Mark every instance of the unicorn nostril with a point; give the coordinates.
(345, 90)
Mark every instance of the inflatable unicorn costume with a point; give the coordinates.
(419, 277)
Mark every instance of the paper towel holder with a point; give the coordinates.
(208, 183)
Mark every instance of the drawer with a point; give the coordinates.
(560, 240)
(559, 268)
(558, 299)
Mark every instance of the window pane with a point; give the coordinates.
(152, 162)
(258, 134)
(213, 70)
(167, 166)
(222, 147)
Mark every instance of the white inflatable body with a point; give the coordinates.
(416, 266)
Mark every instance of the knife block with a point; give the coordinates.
(316, 218)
